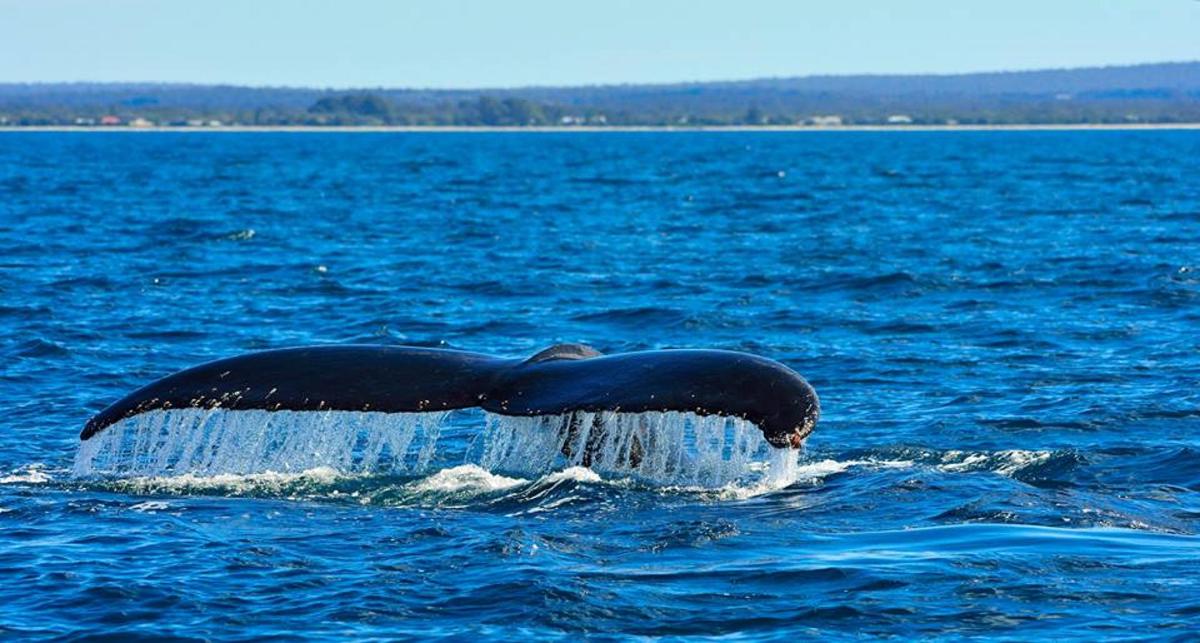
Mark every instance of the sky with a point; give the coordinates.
(501, 43)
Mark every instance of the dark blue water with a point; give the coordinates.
(1004, 329)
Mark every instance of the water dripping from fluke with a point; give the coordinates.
(669, 448)
(206, 442)
(661, 448)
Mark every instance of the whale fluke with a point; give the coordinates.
(562, 379)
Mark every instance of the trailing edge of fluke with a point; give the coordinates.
(561, 379)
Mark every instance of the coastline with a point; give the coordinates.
(590, 129)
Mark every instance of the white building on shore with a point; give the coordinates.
(829, 120)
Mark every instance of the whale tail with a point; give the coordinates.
(559, 381)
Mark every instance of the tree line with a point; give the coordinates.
(367, 109)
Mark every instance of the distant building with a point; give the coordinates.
(141, 122)
(110, 120)
(831, 120)
(85, 122)
(598, 119)
(214, 123)
(899, 119)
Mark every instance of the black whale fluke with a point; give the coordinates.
(561, 379)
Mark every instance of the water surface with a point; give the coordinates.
(1003, 328)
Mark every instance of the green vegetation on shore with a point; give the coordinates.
(1159, 93)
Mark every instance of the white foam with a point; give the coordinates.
(32, 474)
(468, 477)
(1005, 463)
(574, 474)
(267, 482)
(150, 506)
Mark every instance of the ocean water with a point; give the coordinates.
(1004, 329)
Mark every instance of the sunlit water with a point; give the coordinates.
(1004, 329)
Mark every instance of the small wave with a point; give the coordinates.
(239, 235)
(827, 468)
(31, 474)
(468, 477)
(452, 487)
(469, 484)
(571, 474)
(150, 506)
(1006, 463)
(791, 471)
(269, 483)
(1012, 463)
(39, 349)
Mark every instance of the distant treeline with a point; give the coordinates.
(1160, 93)
(373, 109)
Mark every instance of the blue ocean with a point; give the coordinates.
(1003, 327)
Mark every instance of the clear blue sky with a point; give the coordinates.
(477, 43)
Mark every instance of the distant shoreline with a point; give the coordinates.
(349, 129)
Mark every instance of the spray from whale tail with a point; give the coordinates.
(688, 416)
